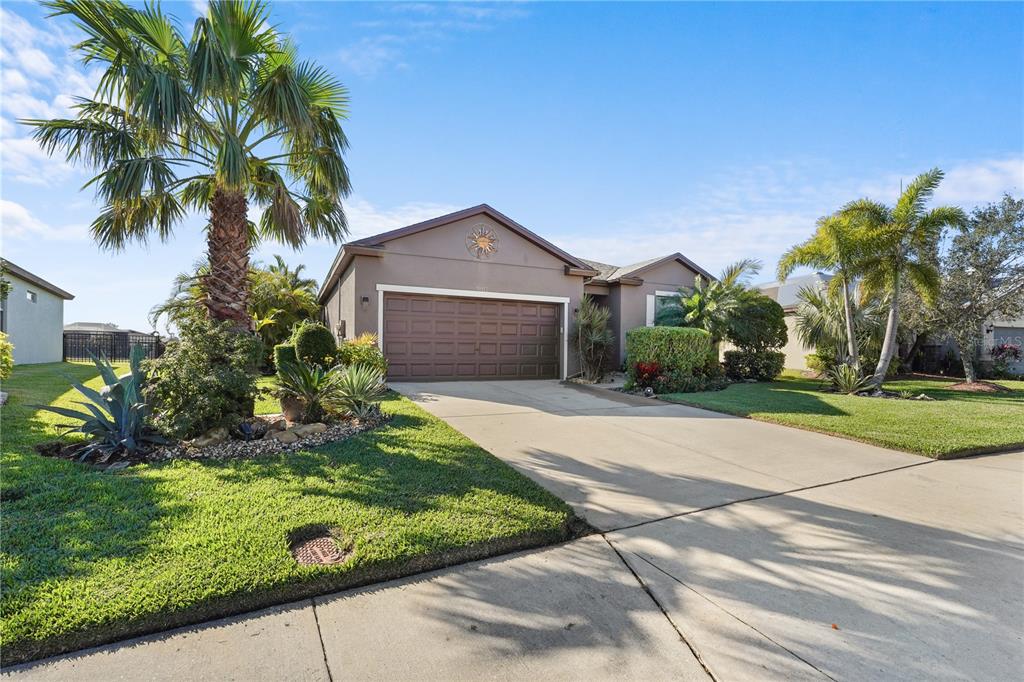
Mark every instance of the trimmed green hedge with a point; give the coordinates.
(761, 365)
(683, 349)
(314, 343)
(284, 353)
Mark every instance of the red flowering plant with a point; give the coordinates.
(645, 374)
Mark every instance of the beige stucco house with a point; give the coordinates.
(785, 294)
(475, 295)
(32, 315)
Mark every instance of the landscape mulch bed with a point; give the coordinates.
(231, 449)
(979, 387)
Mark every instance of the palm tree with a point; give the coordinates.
(836, 246)
(278, 299)
(821, 322)
(293, 277)
(903, 243)
(710, 303)
(228, 118)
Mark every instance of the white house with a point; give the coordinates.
(32, 315)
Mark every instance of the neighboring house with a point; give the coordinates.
(32, 315)
(785, 294)
(108, 328)
(940, 352)
(475, 295)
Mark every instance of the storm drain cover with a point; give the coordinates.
(317, 547)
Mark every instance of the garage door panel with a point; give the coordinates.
(437, 337)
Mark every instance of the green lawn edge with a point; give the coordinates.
(552, 519)
(753, 407)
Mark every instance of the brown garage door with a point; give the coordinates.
(441, 337)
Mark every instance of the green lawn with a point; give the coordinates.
(955, 423)
(89, 557)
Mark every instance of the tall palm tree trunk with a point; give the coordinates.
(889, 343)
(851, 334)
(227, 247)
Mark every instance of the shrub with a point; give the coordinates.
(673, 348)
(205, 379)
(679, 382)
(284, 354)
(363, 351)
(845, 379)
(1002, 356)
(6, 357)
(360, 390)
(761, 365)
(757, 323)
(116, 417)
(313, 386)
(314, 343)
(592, 338)
(643, 374)
(820, 362)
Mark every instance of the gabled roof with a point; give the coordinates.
(612, 274)
(376, 243)
(482, 209)
(23, 274)
(785, 293)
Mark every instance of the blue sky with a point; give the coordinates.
(618, 131)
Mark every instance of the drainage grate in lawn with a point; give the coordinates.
(318, 545)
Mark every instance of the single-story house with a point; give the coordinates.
(32, 316)
(785, 294)
(475, 295)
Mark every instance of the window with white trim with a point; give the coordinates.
(31, 296)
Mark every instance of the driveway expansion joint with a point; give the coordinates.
(729, 613)
(664, 612)
(767, 496)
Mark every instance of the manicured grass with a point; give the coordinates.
(90, 557)
(955, 423)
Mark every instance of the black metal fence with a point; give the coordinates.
(114, 345)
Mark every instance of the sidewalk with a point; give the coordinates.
(574, 612)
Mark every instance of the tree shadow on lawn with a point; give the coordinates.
(771, 398)
(407, 465)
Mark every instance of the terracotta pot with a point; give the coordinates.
(292, 408)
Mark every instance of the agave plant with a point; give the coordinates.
(846, 378)
(360, 389)
(116, 414)
(316, 388)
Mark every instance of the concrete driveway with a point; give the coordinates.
(729, 550)
(777, 552)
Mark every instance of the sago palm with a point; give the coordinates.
(836, 245)
(225, 118)
(901, 243)
(709, 304)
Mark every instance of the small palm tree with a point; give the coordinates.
(292, 276)
(900, 249)
(226, 118)
(821, 323)
(709, 304)
(836, 245)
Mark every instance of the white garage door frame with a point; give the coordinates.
(469, 293)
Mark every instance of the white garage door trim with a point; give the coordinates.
(469, 293)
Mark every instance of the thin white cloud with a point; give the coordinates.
(967, 184)
(39, 79)
(406, 25)
(762, 211)
(17, 222)
(372, 55)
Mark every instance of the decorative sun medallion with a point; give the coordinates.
(482, 242)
